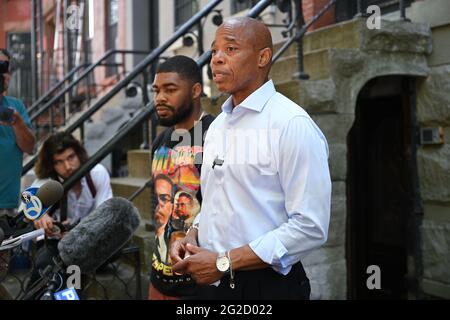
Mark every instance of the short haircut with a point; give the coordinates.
(6, 53)
(186, 67)
(186, 195)
(55, 144)
(163, 177)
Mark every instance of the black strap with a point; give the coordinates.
(91, 185)
(62, 204)
(63, 208)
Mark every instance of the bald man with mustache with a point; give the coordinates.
(265, 181)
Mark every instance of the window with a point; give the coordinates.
(184, 10)
(239, 5)
(19, 45)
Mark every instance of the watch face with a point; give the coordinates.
(222, 264)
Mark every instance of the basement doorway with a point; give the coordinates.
(380, 190)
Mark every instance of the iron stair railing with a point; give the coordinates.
(140, 68)
(146, 112)
(46, 96)
(83, 76)
(298, 37)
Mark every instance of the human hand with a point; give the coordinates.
(200, 264)
(7, 116)
(178, 249)
(46, 223)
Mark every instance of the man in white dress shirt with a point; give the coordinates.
(266, 184)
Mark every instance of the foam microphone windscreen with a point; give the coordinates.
(100, 235)
(50, 193)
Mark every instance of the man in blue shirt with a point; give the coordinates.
(16, 137)
(265, 181)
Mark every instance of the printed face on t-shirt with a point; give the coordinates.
(163, 190)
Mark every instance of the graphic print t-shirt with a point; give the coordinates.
(176, 165)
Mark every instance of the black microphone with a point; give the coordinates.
(47, 195)
(99, 235)
(218, 162)
(36, 201)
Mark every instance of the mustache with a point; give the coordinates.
(165, 106)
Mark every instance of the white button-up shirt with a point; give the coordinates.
(79, 207)
(270, 186)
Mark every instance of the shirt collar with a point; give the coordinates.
(256, 101)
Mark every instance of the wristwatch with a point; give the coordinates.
(223, 262)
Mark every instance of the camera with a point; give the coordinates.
(5, 112)
(4, 68)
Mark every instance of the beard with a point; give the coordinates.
(179, 115)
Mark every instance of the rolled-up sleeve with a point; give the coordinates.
(302, 164)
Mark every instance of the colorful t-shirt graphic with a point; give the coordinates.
(176, 169)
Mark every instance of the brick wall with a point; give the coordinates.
(15, 16)
(312, 7)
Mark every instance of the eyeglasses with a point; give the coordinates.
(164, 197)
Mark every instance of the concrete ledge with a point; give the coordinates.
(125, 187)
(436, 289)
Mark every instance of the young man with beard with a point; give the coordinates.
(59, 158)
(176, 163)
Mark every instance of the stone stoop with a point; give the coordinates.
(139, 164)
(125, 187)
(139, 172)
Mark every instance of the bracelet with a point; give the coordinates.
(231, 270)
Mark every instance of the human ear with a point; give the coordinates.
(265, 57)
(197, 90)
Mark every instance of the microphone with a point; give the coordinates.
(36, 201)
(99, 235)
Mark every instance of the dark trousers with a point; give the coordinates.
(264, 284)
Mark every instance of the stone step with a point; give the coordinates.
(315, 96)
(139, 164)
(342, 35)
(125, 187)
(316, 65)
